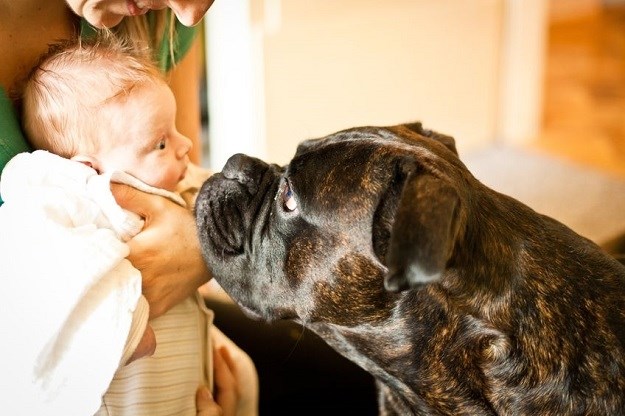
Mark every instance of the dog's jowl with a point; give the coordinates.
(458, 299)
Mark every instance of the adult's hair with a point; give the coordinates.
(140, 33)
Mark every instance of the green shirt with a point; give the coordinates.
(12, 140)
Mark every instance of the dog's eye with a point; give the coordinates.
(288, 201)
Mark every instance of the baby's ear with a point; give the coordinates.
(87, 160)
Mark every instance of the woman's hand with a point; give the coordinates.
(167, 250)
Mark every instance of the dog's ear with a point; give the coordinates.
(448, 141)
(424, 231)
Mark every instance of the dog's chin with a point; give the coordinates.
(263, 311)
(250, 313)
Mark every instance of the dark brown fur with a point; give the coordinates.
(458, 299)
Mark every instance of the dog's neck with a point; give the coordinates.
(385, 363)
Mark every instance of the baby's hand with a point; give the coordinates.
(146, 346)
(205, 404)
(225, 403)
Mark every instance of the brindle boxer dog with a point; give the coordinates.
(458, 299)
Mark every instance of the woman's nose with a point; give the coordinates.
(190, 12)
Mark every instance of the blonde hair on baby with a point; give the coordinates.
(67, 93)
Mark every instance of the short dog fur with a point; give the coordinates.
(458, 299)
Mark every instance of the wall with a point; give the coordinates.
(573, 9)
(324, 65)
(338, 64)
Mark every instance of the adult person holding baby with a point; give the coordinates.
(171, 272)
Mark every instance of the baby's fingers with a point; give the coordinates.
(225, 381)
(205, 404)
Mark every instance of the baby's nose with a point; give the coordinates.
(184, 146)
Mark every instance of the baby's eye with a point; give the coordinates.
(161, 144)
(288, 201)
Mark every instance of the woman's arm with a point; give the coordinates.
(184, 80)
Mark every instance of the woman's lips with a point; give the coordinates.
(134, 9)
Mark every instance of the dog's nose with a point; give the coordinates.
(244, 169)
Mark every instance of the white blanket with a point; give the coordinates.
(67, 294)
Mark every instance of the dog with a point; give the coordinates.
(459, 300)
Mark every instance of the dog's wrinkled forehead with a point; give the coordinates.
(357, 138)
(351, 168)
(401, 138)
(366, 147)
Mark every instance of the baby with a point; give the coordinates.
(100, 112)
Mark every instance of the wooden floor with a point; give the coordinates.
(584, 107)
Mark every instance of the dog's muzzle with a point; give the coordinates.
(225, 206)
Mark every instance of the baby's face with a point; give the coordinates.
(143, 137)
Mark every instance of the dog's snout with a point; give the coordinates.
(236, 165)
(244, 169)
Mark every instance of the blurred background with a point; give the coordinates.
(532, 90)
(549, 73)
(584, 101)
